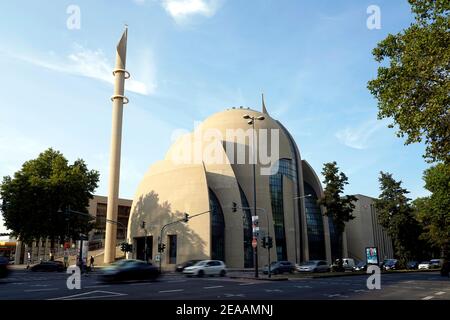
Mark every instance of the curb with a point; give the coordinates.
(260, 279)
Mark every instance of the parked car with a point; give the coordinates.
(206, 267)
(435, 263)
(48, 266)
(424, 265)
(4, 270)
(278, 267)
(129, 270)
(391, 264)
(411, 265)
(314, 266)
(180, 267)
(360, 266)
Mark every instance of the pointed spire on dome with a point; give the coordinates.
(264, 110)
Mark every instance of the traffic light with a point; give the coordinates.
(123, 247)
(263, 242)
(234, 207)
(129, 247)
(186, 217)
(143, 225)
(269, 242)
(161, 247)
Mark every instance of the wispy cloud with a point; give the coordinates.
(91, 64)
(181, 10)
(359, 137)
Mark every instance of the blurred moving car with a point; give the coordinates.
(180, 267)
(206, 267)
(48, 266)
(348, 264)
(391, 264)
(411, 265)
(424, 265)
(278, 267)
(129, 270)
(435, 263)
(360, 266)
(4, 270)
(314, 266)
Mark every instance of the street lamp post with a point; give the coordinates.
(251, 121)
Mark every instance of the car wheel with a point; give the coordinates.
(201, 273)
(222, 273)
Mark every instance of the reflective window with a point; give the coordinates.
(217, 228)
(334, 240)
(172, 249)
(285, 169)
(314, 224)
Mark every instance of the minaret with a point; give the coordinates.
(118, 100)
(264, 110)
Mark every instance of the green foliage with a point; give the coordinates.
(337, 206)
(396, 215)
(42, 187)
(413, 84)
(434, 211)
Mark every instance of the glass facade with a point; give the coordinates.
(248, 232)
(285, 169)
(314, 224)
(334, 240)
(172, 249)
(217, 228)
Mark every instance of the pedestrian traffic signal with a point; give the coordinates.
(234, 207)
(186, 217)
(123, 247)
(143, 225)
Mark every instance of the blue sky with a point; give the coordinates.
(189, 59)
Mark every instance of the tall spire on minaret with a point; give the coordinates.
(264, 110)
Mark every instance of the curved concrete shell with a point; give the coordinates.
(209, 170)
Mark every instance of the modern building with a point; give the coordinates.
(206, 171)
(365, 231)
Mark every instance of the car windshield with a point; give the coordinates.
(200, 263)
(309, 263)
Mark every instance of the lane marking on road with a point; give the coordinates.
(166, 291)
(246, 284)
(440, 293)
(336, 295)
(428, 298)
(302, 287)
(228, 295)
(99, 286)
(359, 290)
(37, 290)
(213, 287)
(97, 294)
(273, 290)
(39, 285)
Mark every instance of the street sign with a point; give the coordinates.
(157, 257)
(254, 243)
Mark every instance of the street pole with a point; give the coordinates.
(254, 200)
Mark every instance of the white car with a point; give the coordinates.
(424, 265)
(314, 266)
(206, 268)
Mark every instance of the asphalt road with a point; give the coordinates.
(22, 284)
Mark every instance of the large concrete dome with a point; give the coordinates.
(208, 170)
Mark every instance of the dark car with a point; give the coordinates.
(360, 266)
(180, 267)
(278, 267)
(411, 265)
(48, 266)
(391, 264)
(129, 270)
(4, 267)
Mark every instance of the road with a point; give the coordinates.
(22, 284)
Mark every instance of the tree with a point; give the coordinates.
(434, 210)
(396, 216)
(338, 207)
(33, 200)
(412, 86)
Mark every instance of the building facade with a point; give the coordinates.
(205, 172)
(365, 231)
